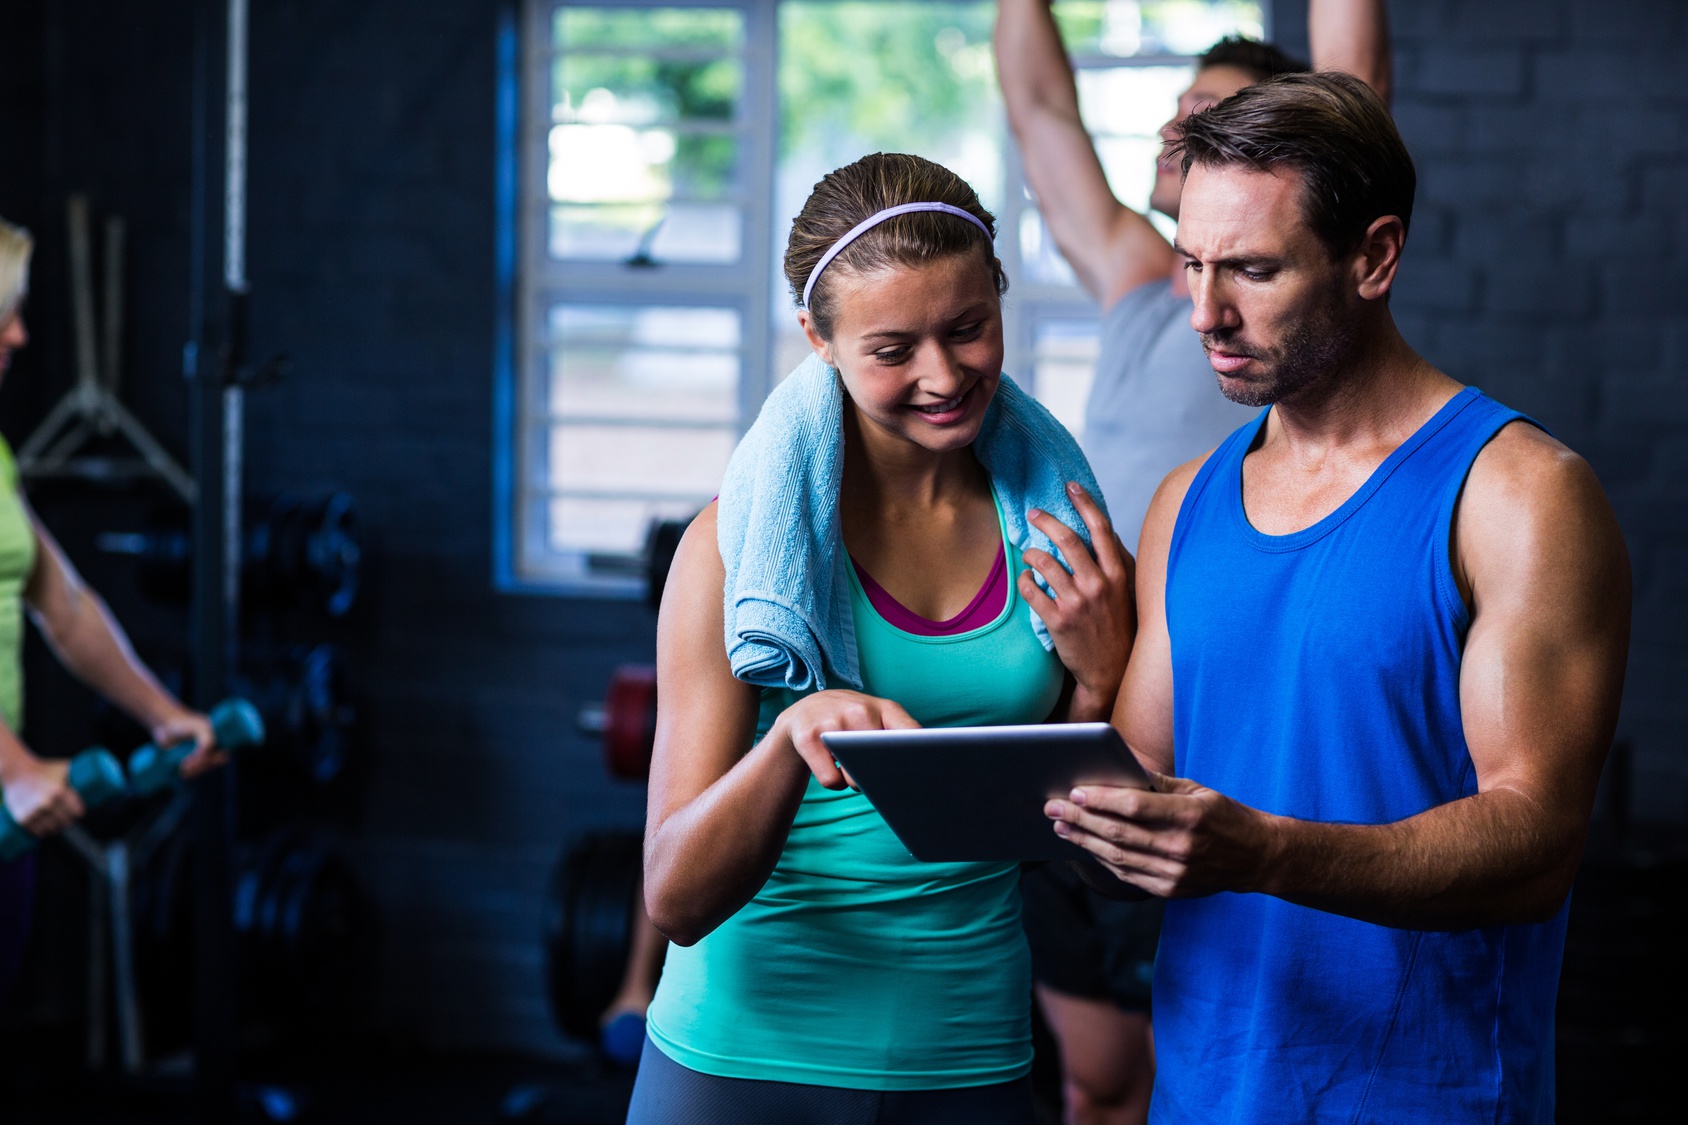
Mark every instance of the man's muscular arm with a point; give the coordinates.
(1541, 561)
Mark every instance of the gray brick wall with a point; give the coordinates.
(1548, 264)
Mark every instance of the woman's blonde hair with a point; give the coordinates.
(15, 248)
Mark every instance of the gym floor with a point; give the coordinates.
(418, 1089)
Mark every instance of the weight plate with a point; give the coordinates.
(589, 926)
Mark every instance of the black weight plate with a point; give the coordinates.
(333, 553)
(589, 926)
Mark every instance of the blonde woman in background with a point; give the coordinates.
(87, 640)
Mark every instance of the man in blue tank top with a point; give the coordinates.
(1381, 648)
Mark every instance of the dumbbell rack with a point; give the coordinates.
(112, 866)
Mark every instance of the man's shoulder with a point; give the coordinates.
(1525, 466)
(1531, 503)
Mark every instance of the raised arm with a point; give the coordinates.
(1352, 36)
(1545, 570)
(719, 810)
(1111, 248)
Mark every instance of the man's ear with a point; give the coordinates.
(816, 341)
(1379, 257)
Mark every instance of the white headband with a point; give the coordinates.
(874, 220)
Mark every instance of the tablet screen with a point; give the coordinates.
(976, 794)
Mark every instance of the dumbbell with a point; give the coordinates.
(96, 777)
(234, 723)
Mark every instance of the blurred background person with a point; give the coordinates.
(36, 576)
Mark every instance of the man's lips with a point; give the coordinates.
(1227, 362)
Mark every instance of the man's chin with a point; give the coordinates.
(1247, 392)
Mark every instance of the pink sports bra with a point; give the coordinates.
(985, 607)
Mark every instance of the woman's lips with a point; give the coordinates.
(947, 412)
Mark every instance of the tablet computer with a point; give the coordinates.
(976, 794)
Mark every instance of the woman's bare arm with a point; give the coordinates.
(90, 643)
(718, 814)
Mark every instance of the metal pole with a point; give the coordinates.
(215, 542)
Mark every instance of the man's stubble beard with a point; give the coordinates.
(1316, 348)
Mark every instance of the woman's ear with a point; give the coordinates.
(816, 341)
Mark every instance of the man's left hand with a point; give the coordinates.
(184, 726)
(1181, 841)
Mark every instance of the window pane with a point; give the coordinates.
(719, 29)
(633, 90)
(658, 362)
(645, 133)
(1154, 27)
(615, 462)
(608, 526)
(1064, 356)
(1040, 258)
(687, 233)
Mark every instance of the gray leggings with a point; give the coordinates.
(667, 1093)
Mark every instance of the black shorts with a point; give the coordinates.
(1086, 945)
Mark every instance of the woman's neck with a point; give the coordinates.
(889, 472)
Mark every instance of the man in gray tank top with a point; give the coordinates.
(1154, 405)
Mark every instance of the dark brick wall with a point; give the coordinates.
(1549, 264)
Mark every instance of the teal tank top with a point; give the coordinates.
(856, 965)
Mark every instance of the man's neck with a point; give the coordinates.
(1382, 392)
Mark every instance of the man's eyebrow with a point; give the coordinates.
(1234, 260)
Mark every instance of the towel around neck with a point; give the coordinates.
(780, 530)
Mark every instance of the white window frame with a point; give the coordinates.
(543, 282)
(524, 557)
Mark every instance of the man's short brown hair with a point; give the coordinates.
(1330, 127)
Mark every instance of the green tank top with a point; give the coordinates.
(17, 562)
(856, 965)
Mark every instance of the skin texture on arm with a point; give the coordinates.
(1143, 714)
(1352, 36)
(90, 643)
(718, 815)
(1111, 248)
(1543, 566)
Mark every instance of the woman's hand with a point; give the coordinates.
(805, 721)
(183, 726)
(39, 796)
(1093, 616)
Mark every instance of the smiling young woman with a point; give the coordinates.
(822, 972)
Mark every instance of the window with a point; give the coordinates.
(663, 146)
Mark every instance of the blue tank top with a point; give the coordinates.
(1316, 675)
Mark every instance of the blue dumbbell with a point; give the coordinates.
(96, 777)
(234, 722)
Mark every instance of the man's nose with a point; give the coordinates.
(1210, 313)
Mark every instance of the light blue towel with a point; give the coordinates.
(780, 531)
